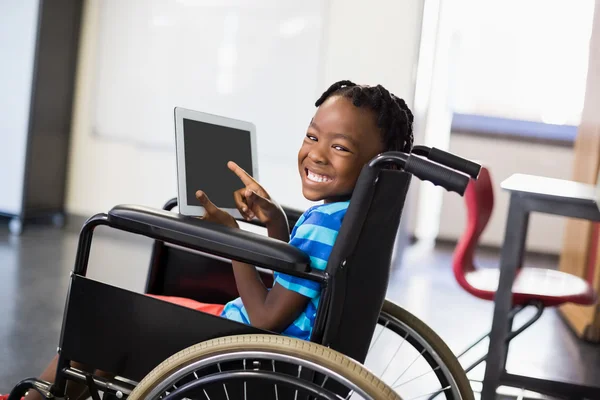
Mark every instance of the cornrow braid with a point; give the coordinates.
(394, 118)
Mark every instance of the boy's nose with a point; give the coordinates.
(317, 156)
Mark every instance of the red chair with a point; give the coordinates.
(532, 286)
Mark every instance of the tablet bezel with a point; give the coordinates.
(180, 115)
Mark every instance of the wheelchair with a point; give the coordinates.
(157, 350)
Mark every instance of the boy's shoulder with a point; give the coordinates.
(334, 209)
(325, 214)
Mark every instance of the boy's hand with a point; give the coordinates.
(252, 200)
(213, 213)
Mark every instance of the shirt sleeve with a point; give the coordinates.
(316, 237)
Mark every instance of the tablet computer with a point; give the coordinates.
(204, 145)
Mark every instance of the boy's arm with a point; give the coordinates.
(272, 310)
(278, 308)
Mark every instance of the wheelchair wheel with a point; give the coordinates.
(412, 359)
(260, 367)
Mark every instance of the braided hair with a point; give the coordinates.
(394, 120)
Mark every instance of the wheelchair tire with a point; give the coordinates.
(173, 369)
(443, 362)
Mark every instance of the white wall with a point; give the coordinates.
(374, 42)
(368, 42)
(18, 36)
(504, 158)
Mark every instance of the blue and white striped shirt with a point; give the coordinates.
(314, 233)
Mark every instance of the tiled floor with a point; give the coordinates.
(34, 272)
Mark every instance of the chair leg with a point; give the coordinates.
(511, 316)
(511, 320)
(540, 310)
(513, 313)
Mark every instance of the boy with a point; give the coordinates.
(351, 126)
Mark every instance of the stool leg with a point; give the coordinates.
(511, 320)
(511, 317)
(511, 256)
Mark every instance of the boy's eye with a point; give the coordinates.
(311, 137)
(340, 148)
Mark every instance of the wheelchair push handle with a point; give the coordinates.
(449, 160)
(437, 174)
(425, 170)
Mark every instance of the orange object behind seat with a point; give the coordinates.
(214, 309)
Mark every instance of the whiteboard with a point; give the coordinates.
(18, 29)
(254, 60)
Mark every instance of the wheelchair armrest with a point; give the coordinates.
(208, 237)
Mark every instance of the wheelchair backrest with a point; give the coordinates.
(359, 264)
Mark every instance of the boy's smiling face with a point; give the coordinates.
(340, 140)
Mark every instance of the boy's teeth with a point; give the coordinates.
(317, 178)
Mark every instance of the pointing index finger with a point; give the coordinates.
(239, 171)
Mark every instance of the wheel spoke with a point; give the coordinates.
(416, 377)
(350, 394)
(299, 372)
(245, 393)
(206, 394)
(276, 394)
(378, 336)
(324, 380)
(394, 356)
(409, 365)
(224, 386)
(436, 392)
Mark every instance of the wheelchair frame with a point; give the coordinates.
(123, 313)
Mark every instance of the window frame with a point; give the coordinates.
(512, 129)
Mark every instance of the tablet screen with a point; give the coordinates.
(208, 148)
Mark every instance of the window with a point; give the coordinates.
(519, 67)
